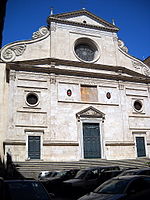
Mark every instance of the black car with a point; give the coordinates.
(22, 190)
(53, 184)
(141, 171)
(121, 188)
(87, 180)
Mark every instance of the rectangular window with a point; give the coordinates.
(89, 93)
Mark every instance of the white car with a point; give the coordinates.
(43, 174)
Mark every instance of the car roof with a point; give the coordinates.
(130, 177)
(100, 167)
(137, 170)
(20, 180)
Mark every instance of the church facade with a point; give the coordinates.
(73, 92)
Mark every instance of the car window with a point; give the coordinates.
(81, 174)
(93, 174)
(113, 186)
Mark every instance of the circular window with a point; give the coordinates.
(86, 50)
(138, 105)
(32, 99)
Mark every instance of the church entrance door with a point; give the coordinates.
(91, 140)
(34, 147)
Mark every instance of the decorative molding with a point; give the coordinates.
(14, 142)
(136, 65)
(9, 52)
(90, 112)
(12, 75)
(122, 46)
(52, 64)
(40, 33)
(115, 39)
(60, 143)
(120, 144)
(120, 85)
(144, 68)
(52, 78)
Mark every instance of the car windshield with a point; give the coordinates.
(113, 186)
(81, 174)
(26, 191)
(60, 174)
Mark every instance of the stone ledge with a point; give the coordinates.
(60, 144)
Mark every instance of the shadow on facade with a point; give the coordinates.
(8, 170)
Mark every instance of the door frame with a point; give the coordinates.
(140, 134)
(34, 133)
(97, 140)
(96, 121)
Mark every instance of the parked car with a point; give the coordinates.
(106, 175)
(141, 171)
(87, 180)
(47, 174)
(53, 184)
(22, 189)
(43, 174)
(120, 188)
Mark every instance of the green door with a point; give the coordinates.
(140, 145)
(91, 140)
(34, 147)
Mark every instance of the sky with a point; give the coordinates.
(132, 17)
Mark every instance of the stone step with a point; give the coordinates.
(31, 169)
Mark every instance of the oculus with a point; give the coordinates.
(138, 105)
(32, 99)
(86, 50)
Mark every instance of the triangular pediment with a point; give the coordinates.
(91, 112)
(86, 18)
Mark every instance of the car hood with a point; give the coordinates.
(51, 179)
(96, 196)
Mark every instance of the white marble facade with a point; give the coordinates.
(73, 82)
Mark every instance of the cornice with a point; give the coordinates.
(53, 19)
(120, 71)
(57, 62)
